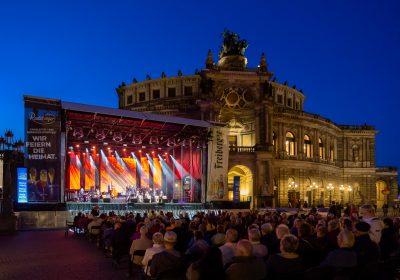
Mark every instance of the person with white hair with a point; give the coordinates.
(367, 212)
(259, 250)
(280, 231)
(228, 249)
(344, 256)
(244, 264)
(158, 246)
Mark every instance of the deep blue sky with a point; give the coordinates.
(345, 55)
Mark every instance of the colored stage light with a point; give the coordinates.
(84, 153)
(77, 145)
(140, 151)
(166, 153)
(124, 150)
(152, 152)
(86, 142)
(108, 148)
(94, 147)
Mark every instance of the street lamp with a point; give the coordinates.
(314, 186)
(330, 188)
(349, 189)
(341, 188)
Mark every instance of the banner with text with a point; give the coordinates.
(236, 189)
(218, 155)
(43, 128)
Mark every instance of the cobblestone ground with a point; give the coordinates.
(50, 255)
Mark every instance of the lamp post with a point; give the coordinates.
(341, 188)
(349, 189)
(330, 188)
(314, 187)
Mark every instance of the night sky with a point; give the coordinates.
(344, 55)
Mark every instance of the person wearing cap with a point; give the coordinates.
(168, 264)
(368, 252)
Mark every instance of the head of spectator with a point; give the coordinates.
(289, 244)
(333, 225)
(117, 225)
(321, 231)
(367, 211)
(198, 235)
(158, 238)
(220, 229)
(143, 231)
(266, 229)
(281, 230)
(254, 235)
(388, 223)
(305, 230)
(361, 228)
(169, 240)
(231, 235)
(345, 239)
(244, 248)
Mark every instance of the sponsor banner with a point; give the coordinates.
(43, 129)
(218, 155)
(236, 188)
(22, 184)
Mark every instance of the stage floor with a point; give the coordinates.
(105, 206)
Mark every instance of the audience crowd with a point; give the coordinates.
(347, 244)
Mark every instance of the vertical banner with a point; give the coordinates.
(43, 129)
(236, 189)
(22, 183)
(218, 154)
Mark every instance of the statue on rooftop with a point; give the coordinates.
(232, 45)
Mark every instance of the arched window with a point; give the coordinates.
(289, 143)
(321, 148)
(307, 146)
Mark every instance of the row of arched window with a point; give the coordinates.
(290, 144)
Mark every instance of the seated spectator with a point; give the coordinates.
(367, 251)
(267, 234)
(244, 264)
(219, 238)
(168, 264)
(120, 243)
(208, 267)
(198, 248)
(281, 230)
(344, 256)
(158, 246)
(259, 250)
(388, 244)
(228, 249)
(287, 264)
(307, 248)
(142, 243)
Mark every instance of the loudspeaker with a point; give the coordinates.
(106, 200)
(146, 200)
(94, 200)
(133, 200)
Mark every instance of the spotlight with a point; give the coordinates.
(105, 143)
(100, 134)
(78, 132)
(171, 142)
(86, 142)
(125, 145)
(124, 149)
(153, 140)
(137, 140)
(77, 145)
(152, 152)
(117, 137)
(140, 151)
(94, 147)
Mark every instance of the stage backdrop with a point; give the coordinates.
(218, 155)
(43, 128)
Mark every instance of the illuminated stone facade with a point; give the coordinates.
(281, 153)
